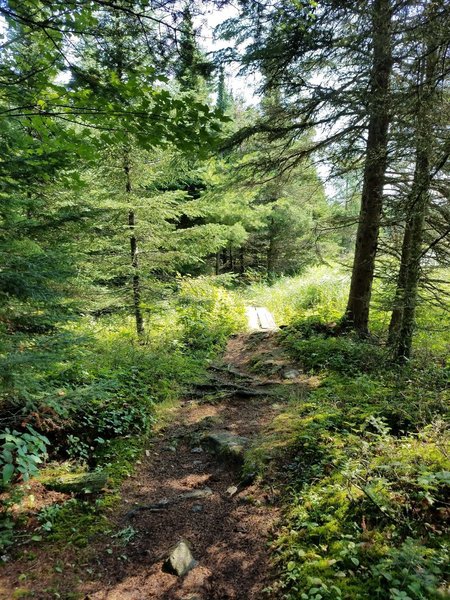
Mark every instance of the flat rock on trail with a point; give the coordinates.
(184, 491)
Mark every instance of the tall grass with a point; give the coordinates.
(319, 292)
(322, 291)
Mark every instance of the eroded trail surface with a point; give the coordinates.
(193, 469)
(190, 488)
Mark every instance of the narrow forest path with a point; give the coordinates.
(190, 488)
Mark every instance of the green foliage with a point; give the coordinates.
(320, 292)
(366, 516)
(368, 473)
(92, 390)
(209, 314)
(343, 355)
(21, 453)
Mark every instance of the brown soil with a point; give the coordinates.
(228, 535)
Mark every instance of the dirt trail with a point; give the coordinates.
(228, 535)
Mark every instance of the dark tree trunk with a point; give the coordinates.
(409, 275)
(241, 260)
(136, 282)
(271, 252)
(397, 311)
(230, 252)
(217, 265)
(412, 274)
(357, 312)
(224, 258)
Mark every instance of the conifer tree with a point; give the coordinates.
(425, 106)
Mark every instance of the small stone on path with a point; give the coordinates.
(232, 490)
(194, 494)
(180, 560)
(197, 450)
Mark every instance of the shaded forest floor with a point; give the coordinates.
(195, 482)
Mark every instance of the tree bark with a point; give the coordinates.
(134, 251)
(217, 264)
(230, 252)
(412, 274)
(224, 259)
(397, 311)
(241, 260)
(271, 251)
(409, 275)
(358, 306)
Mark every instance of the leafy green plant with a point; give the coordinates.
(21, 454)
(48, 515)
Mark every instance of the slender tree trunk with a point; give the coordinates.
(224, 258)
(271, 252)
(357, 312)
(241, 260)
(397, 311)
(412, 274)
(217, 266)
(230, 252)
(410, 268)
(136, 282)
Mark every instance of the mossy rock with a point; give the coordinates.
(226, 444)
(209, 422)
(75, 483)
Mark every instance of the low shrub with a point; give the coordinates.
(339, 354)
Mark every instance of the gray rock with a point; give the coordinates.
(291, 373)
(197, 508)
(226, 444)
(197, 450)
(180, 561)
(86, 483)
(232, 490)
(196, 494)
(208, 422)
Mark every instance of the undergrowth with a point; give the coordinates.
(89, 391)
(366, 453)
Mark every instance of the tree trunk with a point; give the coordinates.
(397, 311)
(410, 268)
(271, 252)
(412, 274)
(136, 282)
(224, 258)
(230, 251)
(241, 261)
(357, 312)
(217, 265)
